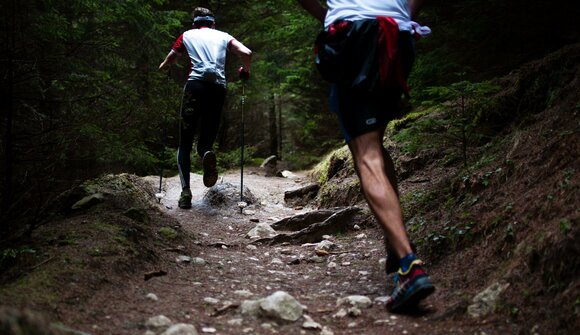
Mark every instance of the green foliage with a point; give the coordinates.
(167, 233)
(231, 159)
(565, 226)
(90, 98)
(465, 103)
(9, 256)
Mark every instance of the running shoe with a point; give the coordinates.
(210, 174)
(410, 288)
(185, 199)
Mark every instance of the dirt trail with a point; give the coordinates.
(233, 266)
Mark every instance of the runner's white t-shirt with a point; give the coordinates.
(207, 49)
(352, 10)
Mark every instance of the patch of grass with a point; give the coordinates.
(167, 233)
(9, 255)
(398, 124)
(417, 202)
(38, 286)
(106, 228)
(565, 226)
(95, 252)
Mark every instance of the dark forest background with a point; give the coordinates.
(81, 94)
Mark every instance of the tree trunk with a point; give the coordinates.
(8, 92)
(273, 128)
(279, 100)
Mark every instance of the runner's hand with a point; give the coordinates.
(244, 74)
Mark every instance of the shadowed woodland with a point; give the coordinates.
(487, 149)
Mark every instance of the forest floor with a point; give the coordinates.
(113, 257)
(108, 295)
(234, 266)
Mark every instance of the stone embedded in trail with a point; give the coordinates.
(359, 301)
(181, 329)
(198, 261)
(326, 245)
(381, 300)
(251, 308)
(326, 331)
(337, 222)
(485, 302)
(310, 324)
(301, 196)
(226, 195)
(261, 230)
(301, 221)
(281, 305)
(158, 322)
(152, 297)
(286, 174)
(236, 322)
(183, 259)
(243, 293)
(211, 301)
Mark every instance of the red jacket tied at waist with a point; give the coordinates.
(390, 63)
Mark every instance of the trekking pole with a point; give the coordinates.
(242, 145)
(159, 195)
(244, 75)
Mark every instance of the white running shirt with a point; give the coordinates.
(352, 10)
(207, 49)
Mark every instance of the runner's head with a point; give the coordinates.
(203, 17)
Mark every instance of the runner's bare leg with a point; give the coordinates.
(378, 182)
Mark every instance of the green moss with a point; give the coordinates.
(37, 286)
(321, 170)
(399, 124)
(106, 227)
(167, 233)
(138, 214)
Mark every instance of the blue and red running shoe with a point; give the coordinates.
(410, 288)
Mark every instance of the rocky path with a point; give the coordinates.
(224, 284)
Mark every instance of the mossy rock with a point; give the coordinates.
(167, 233)
(89, 201)
(138, 214)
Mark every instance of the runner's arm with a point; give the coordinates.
(314, 8)
(243, 52)
(415, 6)
(171, 58)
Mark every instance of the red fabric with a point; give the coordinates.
(179, 46)
(390, 64)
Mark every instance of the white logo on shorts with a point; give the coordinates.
(371, 121)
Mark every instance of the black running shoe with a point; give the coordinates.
(210, 174)
(185, 199)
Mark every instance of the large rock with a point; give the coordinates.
(261, 230)
(270, 166)
(158, 322)
(301, 196)
(281, 305)
(17, 322)
(485, 302)
(226, 195)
